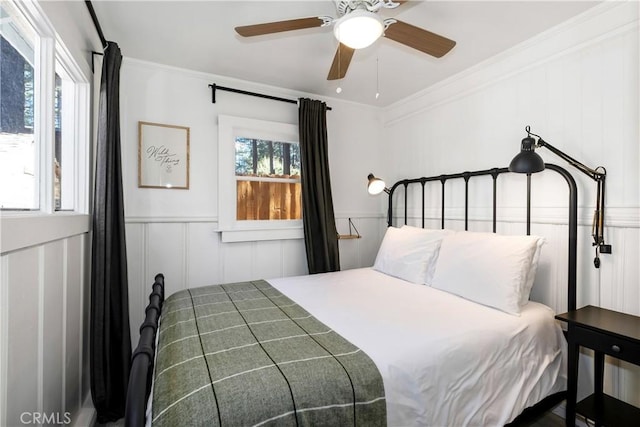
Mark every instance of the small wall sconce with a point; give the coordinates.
(376, 185)
(528, 161)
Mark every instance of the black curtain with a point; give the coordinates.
(110, 338)
(320, 233)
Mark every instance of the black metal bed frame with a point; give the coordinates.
(572, 219)
(141, 374)
(143, 357)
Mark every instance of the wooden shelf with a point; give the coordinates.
(352, 228)
(610, 412)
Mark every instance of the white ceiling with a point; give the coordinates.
(199, 35)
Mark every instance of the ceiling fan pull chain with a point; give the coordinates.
(377, 78)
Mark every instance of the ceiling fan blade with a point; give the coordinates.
(341, 62)
(279, 26)
(420, 39)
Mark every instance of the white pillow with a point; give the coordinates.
(531, 274)
(487, 268)
(430, 234)
(409, 253)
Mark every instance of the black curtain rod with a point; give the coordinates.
(96, 24)
(214, 87)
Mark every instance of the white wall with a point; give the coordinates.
(175, 231)
(577, 86)
(44, 282)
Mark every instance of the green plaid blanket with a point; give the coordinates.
(243, 354)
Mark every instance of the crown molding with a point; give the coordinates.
(599, 23)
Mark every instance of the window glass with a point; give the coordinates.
(18, 149)
(267, 180)
(57, 159)
(258, 157)
(64, 167)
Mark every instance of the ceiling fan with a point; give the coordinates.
(358, 25)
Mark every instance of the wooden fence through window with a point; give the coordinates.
(268, 200)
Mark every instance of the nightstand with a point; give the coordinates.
(606, 332)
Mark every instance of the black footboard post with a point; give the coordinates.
(140, 376)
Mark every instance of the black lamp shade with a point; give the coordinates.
(527, 161)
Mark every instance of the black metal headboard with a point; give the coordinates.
(494, 173)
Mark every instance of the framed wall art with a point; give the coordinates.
(163, 156)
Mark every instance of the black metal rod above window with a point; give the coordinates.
(96, 23)
(214, 87)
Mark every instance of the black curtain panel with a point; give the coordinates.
(110, 338)
(320, 233)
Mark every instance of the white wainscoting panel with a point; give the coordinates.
(139, 282)
(4, 334)
(203, 254)
(268, 258)
(166, 251)
(73, 337)
(53, 291)
(295, 258)
(45, 307)
(238, 261)
(24, 370)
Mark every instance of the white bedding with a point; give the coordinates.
(445, 361)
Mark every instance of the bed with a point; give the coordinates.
(410, 341)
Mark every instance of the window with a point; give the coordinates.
(18, 148)
(268, 180)
(260, 190)
(44, 116)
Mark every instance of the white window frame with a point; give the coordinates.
(232, 230)
(46, 224)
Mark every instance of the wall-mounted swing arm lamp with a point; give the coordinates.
(528, 161)
(376, 185)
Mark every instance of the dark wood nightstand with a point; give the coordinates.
(605, 332)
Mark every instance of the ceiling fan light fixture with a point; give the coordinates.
(358, 29)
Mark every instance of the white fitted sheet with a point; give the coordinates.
(445, 361)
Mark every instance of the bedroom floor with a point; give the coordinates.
(549, 419)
